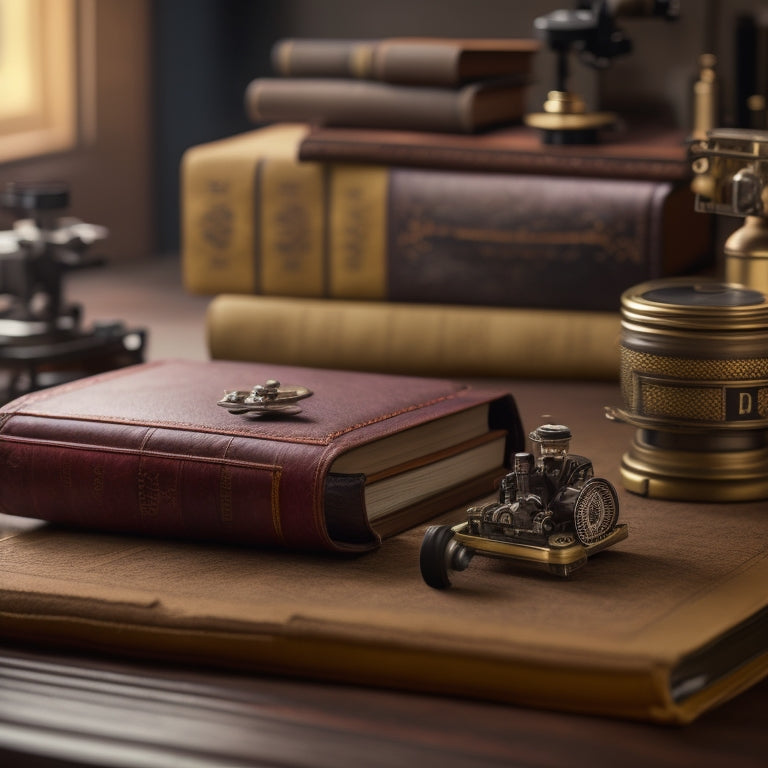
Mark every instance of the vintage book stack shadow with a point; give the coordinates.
(376, 240)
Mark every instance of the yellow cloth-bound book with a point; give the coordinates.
(423, 339)
(255, 220)
(222, 233)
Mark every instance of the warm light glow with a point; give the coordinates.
(17, 58)
(37, 77)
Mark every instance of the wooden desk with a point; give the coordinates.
(65, 710)
(62, 710)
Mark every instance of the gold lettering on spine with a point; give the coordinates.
(221, 208)
(97, 482)
(277, 523)
(170, 495)
(217, 218)
(65, 473)
(225, 495)
(98, 479)
(358, 232)
(149, 493)
(217, 225)
(292, 227)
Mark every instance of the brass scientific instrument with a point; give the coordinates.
(694, 351)
(694, 383)
(42, 338)
(731, 178)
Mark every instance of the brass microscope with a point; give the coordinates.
(589, 32)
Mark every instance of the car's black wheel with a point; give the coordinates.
(596, 511)
(435, 556)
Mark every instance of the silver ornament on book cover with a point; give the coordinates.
(269, 397)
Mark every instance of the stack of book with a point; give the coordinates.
(424, 251)
(430, 84)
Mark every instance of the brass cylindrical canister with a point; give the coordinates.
(694, 381)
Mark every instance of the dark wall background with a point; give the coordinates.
(207, 51)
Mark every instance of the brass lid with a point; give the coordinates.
(690, 303)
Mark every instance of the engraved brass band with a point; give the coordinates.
(656, 389)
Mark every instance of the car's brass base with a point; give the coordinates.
(562, 554)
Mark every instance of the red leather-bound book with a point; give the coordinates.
(149, 450)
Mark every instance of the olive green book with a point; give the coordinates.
(662, 627)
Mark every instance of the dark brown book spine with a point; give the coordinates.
(322, 58)
(516, 149)
(533, 241)
(373, 104)
(443, 62)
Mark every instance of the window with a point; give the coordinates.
(38, 98)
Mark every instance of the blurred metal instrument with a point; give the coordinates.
(694, 382)
(42, 341)
(589, 31)
(731, 178)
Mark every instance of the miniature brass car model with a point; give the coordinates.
(552, 513)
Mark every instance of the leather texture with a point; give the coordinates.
(146, 449)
